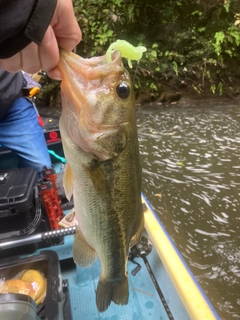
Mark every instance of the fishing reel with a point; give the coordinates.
(140, 250)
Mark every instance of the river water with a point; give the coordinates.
(191, 176)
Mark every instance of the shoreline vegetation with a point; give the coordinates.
(192, 47)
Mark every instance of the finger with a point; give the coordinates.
(12, 64)
(48, 51)
(55, 74)
(30, 59)
(65, 26)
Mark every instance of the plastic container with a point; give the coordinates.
(17, 306)
(56, 303)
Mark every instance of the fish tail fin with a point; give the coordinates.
(83, 254)
(120, 292)
(109, 291)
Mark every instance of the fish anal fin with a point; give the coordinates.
(107, 291)
(68, 182)
(83, 255)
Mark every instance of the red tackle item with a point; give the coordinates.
(51, 203)
(40, 121)
(51, 176)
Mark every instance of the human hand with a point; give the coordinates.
(63, 32)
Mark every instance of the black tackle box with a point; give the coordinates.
(56, 305)
(21, 211)
(18, 201)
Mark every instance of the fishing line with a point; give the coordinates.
(134, 77)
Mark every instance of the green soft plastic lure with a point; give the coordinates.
(127, 50)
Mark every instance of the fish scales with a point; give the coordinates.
(103, 173)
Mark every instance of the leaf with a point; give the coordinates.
(152, 131)
(175, 67)
(154, 53)
(227, 5)
(219, 36)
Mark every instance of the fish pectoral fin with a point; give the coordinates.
(83, 255)
(110, 144)
(107, 291)
(68, 182)
(97, 178)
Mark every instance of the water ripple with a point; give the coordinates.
(191, 157)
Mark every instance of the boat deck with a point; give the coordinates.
(143, 299)
(144, 302)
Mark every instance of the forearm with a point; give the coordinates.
(23, 22)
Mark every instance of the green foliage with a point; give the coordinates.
(194, 40)
(227, 42)
(227, 5)
(50, 93)
(175, 67)
(219, 37)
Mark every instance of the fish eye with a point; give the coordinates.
(123, 90)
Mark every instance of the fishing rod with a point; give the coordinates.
(142, 249)
(37, 238)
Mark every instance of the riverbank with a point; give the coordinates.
(194, 101)
(184, 92)
(175, 90)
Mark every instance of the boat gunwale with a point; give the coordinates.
(190, 292)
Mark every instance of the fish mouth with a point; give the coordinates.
(83, 70)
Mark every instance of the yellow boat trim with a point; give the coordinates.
(190, 294)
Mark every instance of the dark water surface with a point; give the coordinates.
(191, 176)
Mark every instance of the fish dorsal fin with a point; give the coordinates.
(68, 182)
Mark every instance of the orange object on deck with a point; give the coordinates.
(49, 193)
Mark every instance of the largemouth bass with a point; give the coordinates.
(103, 172)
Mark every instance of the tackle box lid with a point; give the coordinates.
(16, 188)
